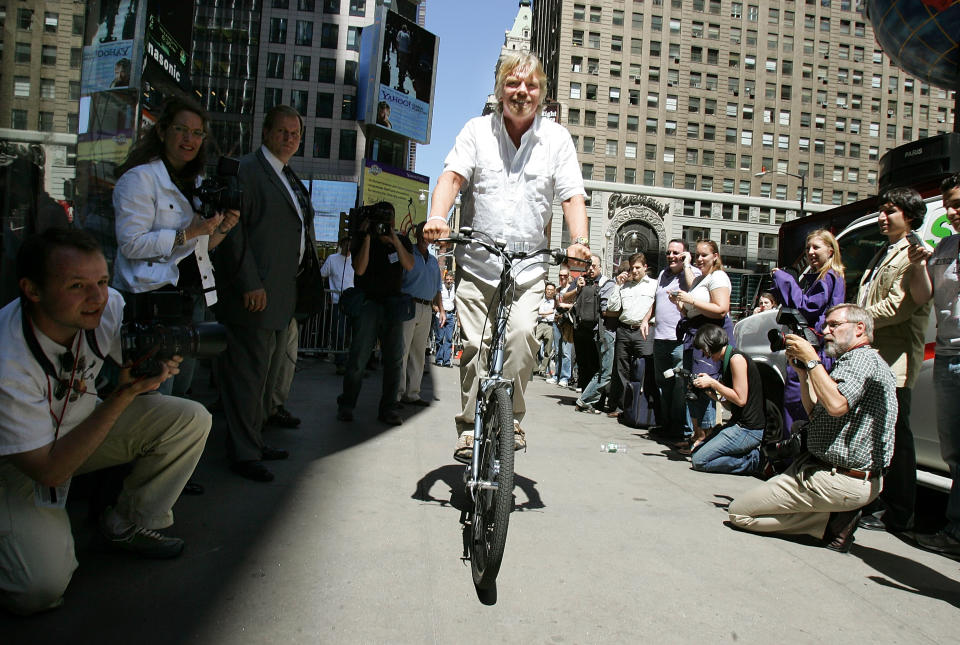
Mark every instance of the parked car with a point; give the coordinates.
(859, 241)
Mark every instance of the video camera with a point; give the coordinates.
(160, 333)
(687, 377)
(796, 324)
(380, 217)
(222, 191)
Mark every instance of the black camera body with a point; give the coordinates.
(163, 330)
(687, 377)
(221, 192)
(380, 217)
(796, 324)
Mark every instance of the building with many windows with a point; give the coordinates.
(40, 59)
(676, 106)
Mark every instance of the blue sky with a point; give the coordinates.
(471, 35)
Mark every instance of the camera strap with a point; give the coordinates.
(726, 359)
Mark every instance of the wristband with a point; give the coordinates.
(443, 219)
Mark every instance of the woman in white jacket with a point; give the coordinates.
(163, 243)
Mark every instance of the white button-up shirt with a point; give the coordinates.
(509, 191)
(633, 300)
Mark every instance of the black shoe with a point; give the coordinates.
(416, 401)
(273, 454)
(390, 417)
(254, 470)
(939, 542)
(840, 528)
(872, 523)
(192, 488)
(345, 414)
(283, 419)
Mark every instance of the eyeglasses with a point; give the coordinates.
(564, 275)
(184, 131)
(833, 324)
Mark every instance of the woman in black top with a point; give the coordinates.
(736, 447)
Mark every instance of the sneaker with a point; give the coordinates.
(141, 541)
(552, 380)
(586, 407)
(939, 542)
(283, 419)
(519, 437)
(563, 383)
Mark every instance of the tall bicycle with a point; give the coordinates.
(489, 475)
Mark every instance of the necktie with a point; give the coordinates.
(299, 191)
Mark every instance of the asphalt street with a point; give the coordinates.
(358, 540)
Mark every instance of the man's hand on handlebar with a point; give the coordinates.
(579, 251)
(435, 229)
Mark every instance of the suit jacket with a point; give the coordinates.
(262, 251)
(899, 323)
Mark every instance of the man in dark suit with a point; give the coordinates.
(258, 296)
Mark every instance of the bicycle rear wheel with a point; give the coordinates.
(492, 506)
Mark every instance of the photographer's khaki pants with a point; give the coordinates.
(474, 300)
(799, 501)
(163, 437)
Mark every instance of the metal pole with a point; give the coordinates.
(803, 191)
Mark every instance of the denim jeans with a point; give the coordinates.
(701, 409)
(445, 339)
(734, 450)
(369, 324)
(668, 355)
(601, 379)
(563, 355)
(946, 380)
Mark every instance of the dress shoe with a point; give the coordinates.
(872, 523)
(416, 400)
(283, 419)
(254, 470)
(390, 417)
(273, 454)
(345, 414)
(614, 414)
(840, 528)
(939, 542)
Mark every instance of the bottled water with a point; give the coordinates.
(613, 446)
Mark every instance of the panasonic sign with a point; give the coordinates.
(169, 67)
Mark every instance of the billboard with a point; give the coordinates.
(406, 190)
(398, 62)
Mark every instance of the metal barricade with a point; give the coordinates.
(327, 332)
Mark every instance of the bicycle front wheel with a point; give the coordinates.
(492, 506)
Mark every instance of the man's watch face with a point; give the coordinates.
(812, 363)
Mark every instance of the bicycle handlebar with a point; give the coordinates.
(466, 235)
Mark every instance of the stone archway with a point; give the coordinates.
(638, 227)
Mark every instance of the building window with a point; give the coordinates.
(324, 109)
(48, 55)
(304, 33)
(78, 24)
(329, 35)
(349, 109)
(24, 19)
(301, 68)
(21, 86)
(328, 70)
(73, 92)
(306, 5)
(321, 142)
(18, 119)
(275, 65)
(21, 53)
(76, 57)
(593, 40)
(609, 173)
(73, 123)
(575, 90)
(589, 144)
(350, 73)
(45, 122)
(353, 38)
(348, 145)
(586, 170)
(358, 7)
(272, 96)
(278, 30)
(48, 88)
(50, 22)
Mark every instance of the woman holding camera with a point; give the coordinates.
(708, 301)
(163, 243)
(820, 288)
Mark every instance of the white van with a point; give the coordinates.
(859, 242)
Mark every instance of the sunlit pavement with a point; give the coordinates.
(356, 541)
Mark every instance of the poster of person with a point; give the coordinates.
(407, 66)
(109, 53)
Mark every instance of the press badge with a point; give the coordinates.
(51, 496)
(393, 257)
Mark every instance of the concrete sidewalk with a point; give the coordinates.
(358, 541)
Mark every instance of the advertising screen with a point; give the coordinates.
(406, 190)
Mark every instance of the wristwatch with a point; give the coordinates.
(812, 363)
(582, 240)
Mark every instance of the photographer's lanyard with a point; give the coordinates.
(51, 496)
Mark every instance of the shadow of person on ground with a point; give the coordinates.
(908, 575)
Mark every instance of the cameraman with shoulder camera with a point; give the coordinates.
(52, 425)
(849, 438)
(379, 309)
(163, 242)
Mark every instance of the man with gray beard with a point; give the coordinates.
(852, 412)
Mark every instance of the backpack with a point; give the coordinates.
(586, 310)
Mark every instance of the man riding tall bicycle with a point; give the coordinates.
(510, 166)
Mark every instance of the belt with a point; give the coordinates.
(630, 327)
(852, 472)
(544, 321)
(423, 302)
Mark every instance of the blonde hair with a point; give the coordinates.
(718, 263)
(834, 262)
(523, 61)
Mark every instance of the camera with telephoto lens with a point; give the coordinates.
(222, 191)
(379, 216)
(164, 331)
(796, 324)
(687, 377)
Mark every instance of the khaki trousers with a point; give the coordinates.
(416, 333)
(799, 501)
(163, 436)
(283, 365)
(474, 300)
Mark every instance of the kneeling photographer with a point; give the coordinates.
(733, 447)
(167, 221)
(376, 306)
(852, 412)
(56, 339)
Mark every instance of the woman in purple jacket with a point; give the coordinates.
(819, 289)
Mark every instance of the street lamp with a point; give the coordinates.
(803, 183)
